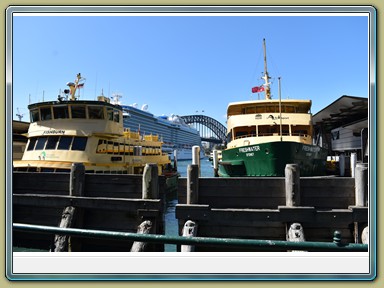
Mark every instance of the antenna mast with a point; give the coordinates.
(266, 76)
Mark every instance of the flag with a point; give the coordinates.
(257, 89)
(81, 85)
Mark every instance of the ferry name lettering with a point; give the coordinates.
(54, 132)
(249, 149)
(276, 117)
(311, 149)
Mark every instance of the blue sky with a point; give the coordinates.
(188, 64)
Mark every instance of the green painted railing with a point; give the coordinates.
(336, 245)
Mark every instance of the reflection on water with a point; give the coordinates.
(171, 224)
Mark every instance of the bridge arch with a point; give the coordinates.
(210, 129)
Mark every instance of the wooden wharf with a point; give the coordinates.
(290, 208)
(109, 202)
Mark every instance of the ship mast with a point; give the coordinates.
(73, 86)
(266, 76)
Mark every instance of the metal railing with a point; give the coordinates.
(336, 245)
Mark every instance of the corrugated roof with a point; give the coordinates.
(343, 111)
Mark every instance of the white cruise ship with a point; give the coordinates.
(172, 130)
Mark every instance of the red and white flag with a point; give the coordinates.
(257, 89)
(81, 85)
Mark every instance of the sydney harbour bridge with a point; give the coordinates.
(210, 129)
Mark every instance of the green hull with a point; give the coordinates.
(270, 159)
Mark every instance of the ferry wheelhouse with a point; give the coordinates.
(265, 135)
(91, 132)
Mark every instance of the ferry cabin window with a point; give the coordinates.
(110, 113)
(64, 143)
(79, 143)
(41, 143)
(78, 111)
(60, 112)
(46, 113)
(116, 115)
(31, 144)
(52, 142)
(35, 115)
(95, 112)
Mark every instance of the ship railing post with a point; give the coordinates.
(342, 164)
(215, 161)
(150, 187)
(353, 164)
(189, 230)
(295, 231)
(76, 188)
(196, 156)
(192, 184)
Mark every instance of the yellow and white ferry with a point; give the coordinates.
(91, 132)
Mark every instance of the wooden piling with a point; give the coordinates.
(292, 185)
(196, 157)
(361, 185)
(150, 182)
(192, 184)
(365, 235)
(76, 188)
(144, 228)
(189, 230)
(61, 242)
(296, 234)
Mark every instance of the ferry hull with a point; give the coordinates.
(270, 159)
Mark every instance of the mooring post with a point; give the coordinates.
(296, 234)
(196, 156)
(61, 242)
(76, 180)
(192, 184)
(365, 235)
(76, 188)
(361, 185)
(189, 230)
(295, 231)
(143, 228)
(292, 185)
(215, 161)
(150, 187)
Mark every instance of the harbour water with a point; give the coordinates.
(171, 224)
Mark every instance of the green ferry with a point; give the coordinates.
(265, 135)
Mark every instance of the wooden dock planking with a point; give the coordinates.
(101, 202)
(259, 208)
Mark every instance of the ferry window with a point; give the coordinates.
(79, 143)
(31, 144)
(52, 142)
(46, 113)
(78, 111)
(41, 143)
(116, 115)
(35, 115)
(271, 109)
(95, 112)
(60, 112)
(110, 113)
(64, 143)
(290, 109)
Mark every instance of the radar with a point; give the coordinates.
(144, 107)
